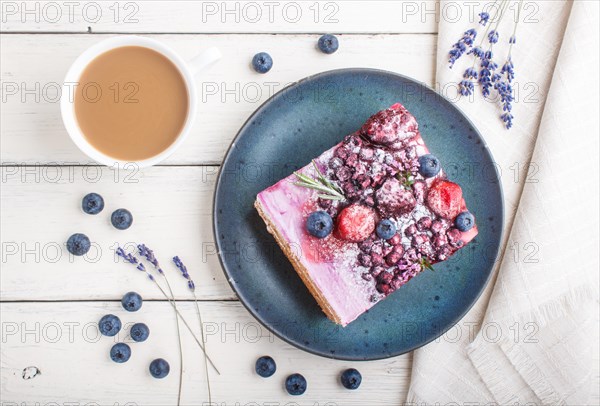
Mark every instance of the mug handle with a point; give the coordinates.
(204, 60)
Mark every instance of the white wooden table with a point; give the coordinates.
(50, 302)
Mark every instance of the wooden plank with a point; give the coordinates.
(341, 16)
(62, 341)
(41, 208)
(31, 125)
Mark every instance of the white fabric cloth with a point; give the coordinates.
(533, 335)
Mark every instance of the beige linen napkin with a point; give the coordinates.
(539, 337)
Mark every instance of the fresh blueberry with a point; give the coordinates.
(386, 229)
(464, 221)
(262, 62)
(132, 302)
(159, 368)
(265, 366)
(351, 379)
(295, 384)
(328, 44)
(109, 325)
(139, 332)
(120, 352)
(78, 244)
(92, 203)
(319, 224)
(121, 219)
(429, 165)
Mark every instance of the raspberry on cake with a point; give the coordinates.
(367, 215)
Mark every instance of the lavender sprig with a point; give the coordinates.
(134, 261)
(461, 46)
(147, 253)
(484, 17)
(184, 272)
(487, 74)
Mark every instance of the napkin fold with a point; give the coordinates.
(533, 335)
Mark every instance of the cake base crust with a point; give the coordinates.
(299, 267)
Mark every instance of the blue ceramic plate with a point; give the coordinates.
(295, 126)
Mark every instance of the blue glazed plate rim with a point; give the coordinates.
(298, 344)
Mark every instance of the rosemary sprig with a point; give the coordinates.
(425, 264)
(326, 188)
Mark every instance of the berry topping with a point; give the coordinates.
(365, 260)
(440, 240)
(328, 44)
(120, 352)
(78, 244)
(419, 189)
(454, 236)
(394, 256)
(376, 270)
(377, 259)
(393, 199)
(444, 199)
(295, 384)
(424, 223)
(384, 288)
(429, 165)
(335, 163)
(355, 223)
(351, 379)
(410, 230)
(390, 126)
(265, 366)
(131, 301)
(343, 173)
(92, 203)
(319, 224)
(121, 219)
(395, 240)
(109, 325)
(159, 368)
(385, 277)
(139, 332)
(439, 226)
(262, 62)
(464, 221)
(386, 229)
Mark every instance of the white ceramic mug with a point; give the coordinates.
(188, 71)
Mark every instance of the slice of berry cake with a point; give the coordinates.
(367, 215)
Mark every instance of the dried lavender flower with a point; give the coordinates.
(184, 272)
(149, 255)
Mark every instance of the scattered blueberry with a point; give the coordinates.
(92, 203)
(351, 379)
(265, 366)
(295, 384)
(78, 244)
(139, 332)
(120, 352)
(262, 62)
(429, 165)
(328, 44)
(319, 224)
(109, 325)
(464, 221)
(386, 229)
(121, 219)
(132, 302)
(159, 368)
